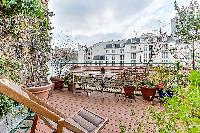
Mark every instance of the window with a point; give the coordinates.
(150, 55)
(145, 55)
(121, 45)
(121, 57)
(113, 57)
(133, 47)
(106, 57)
(107, 51)
(145, 60)
(133, 55)
(88, 57)
(165, 46)
(133, 62)
(164, 55)
(121, 50)
(145, 48)
(164, 61)
(113, 51)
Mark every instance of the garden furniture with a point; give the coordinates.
(84, 121)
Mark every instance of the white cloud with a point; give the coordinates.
(100, 20)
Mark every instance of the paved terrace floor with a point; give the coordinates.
(117, 111)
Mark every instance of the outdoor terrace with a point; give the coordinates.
(118, 110)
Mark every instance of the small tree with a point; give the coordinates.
(188, 25)
(64, 52)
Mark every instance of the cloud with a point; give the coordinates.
(95, 20)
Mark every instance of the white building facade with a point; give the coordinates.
(130, 52)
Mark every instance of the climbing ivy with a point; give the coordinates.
(10, 69)
(25, 35)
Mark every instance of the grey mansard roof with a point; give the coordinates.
(99, 57)
(133, 41)
(115, 44)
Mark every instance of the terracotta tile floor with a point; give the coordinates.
(110, 107)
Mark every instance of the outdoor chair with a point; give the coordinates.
(84, 121)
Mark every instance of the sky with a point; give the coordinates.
(93, 21)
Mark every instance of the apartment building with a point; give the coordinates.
(130, 52)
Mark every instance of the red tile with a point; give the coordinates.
(110, 107)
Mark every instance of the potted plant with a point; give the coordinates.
(27, 39)
(148, 89)
(68, 80)
(62, 54)
(129, 90)
(125, 81)
(59, 83)
(163, 79)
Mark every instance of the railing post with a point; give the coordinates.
(35, 120)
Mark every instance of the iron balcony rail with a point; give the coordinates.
(117, 63)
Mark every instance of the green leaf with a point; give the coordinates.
(4, 2)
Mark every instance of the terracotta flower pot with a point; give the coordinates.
(71, 87)
(129, 90)
(148, 93)
(59, 83)
(41, 92)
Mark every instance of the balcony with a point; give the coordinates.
(117, 109)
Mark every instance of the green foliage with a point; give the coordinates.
(188, 22)
(182, 112)
(9, 69)
(188, 25)
(6, 105)
(25, 35)
(159, 76)
(69, 78)
(14, 12)
(146, 83)
(194, 77)
(28, 7)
